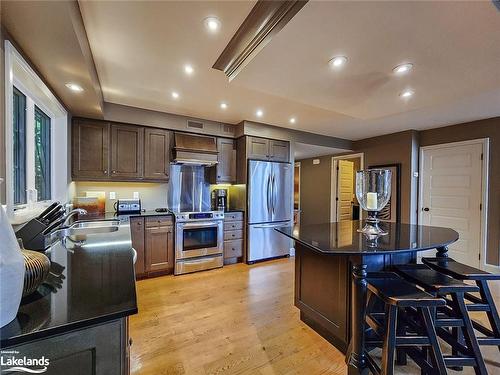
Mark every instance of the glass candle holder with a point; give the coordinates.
(373, 190)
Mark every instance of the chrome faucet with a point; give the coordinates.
(69, 215)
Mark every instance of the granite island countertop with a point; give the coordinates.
(89, 284)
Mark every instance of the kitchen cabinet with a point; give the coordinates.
(279, 150)
(225, 170)
(90, 149)
(137, 233)
(233, 237)
(156, 154)
(153, 240)
(127, 142)
(267, 149)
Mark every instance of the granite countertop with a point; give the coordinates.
(89, 284)
(342, 238)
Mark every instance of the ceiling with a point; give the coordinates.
(140, 48)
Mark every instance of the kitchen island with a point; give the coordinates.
(77, 319)
(332, 261)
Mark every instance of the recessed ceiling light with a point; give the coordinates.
(74, 87)
(338, 61)
(259, 113)
(175, 95)
(293, 120)
(403, 68)
(212, 24)
(188, 69)
(406, 94)
(223, 105)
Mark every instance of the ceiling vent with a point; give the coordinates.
(195, 125)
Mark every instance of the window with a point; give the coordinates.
(42, 154)
(19, 149)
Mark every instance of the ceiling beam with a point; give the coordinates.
(263, 22)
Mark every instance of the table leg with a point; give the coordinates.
(442, 252)
(357, 360)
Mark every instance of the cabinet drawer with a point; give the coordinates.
(155, 221)
(233, 225)
(233, 235)
(233, 216)
(233, 249)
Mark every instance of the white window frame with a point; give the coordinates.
(59, 118)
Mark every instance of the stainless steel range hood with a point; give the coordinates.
(194, 149)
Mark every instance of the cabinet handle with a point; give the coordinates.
(233, 249)
(113, 172)
(105, 171)
(130, 341)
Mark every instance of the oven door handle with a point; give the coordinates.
(201, 225)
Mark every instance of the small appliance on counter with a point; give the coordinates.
(127, 206)
(219, 200)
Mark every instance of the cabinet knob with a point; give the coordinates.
(130, 341)
(105, 171)
(113, 172)
(233, 249)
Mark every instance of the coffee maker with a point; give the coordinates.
(219, 199)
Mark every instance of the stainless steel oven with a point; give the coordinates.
(199, 241)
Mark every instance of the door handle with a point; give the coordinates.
(268, 200)
(426, 209)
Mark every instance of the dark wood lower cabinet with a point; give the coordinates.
(102, 349)
(153, 239)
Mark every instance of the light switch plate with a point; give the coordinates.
(112, 195)
(136, 195)
(316, 161)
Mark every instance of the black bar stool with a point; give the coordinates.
(453, 316)
(398, 295)
(483, 303)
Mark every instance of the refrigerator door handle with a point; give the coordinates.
(268, 200)
(275, 193)
(273, 225)
(272, 194)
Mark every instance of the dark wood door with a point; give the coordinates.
(127, 142)
(137, 233)
(258, 148)
(279, 150)
(156, 154)
(226, 166)
(90, 151)
(159, 249)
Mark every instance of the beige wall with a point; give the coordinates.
(315, 190)
(489, 128)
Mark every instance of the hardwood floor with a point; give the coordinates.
(236, 320)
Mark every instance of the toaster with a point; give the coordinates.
(127, 206)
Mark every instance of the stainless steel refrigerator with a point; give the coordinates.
(270, 190)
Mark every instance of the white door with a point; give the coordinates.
(451, 196)
(345, 189)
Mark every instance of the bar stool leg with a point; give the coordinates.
(436, 354)
(401, 359)
(469, 336)
(492, 315)
(389, 346)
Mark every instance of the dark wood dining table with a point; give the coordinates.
(332, 262)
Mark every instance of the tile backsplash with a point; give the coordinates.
(152, 195)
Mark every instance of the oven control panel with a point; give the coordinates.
(199, 216)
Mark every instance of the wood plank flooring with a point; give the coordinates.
(236, 320)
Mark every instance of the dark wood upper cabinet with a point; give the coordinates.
(90, 152)
(127, 143)
(258, 148)
(279, 150)
(160, 248)
(156, 154)
(225, 170)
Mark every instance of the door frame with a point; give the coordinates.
(485, 142)
(333, 180)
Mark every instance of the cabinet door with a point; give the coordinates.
(226, 166)
(137, 233)
(279, 150)
(159, 249)
(90, 153)
(258, 148)
(127, 142)
(156, 154)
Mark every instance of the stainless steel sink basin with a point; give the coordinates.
(79, 230)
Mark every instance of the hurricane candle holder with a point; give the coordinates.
(373, 190)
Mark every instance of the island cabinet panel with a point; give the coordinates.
(156, 154)
(137, 233)
(322, 294)
(90, 149)
(98, 350)
(127, 142)
(160, 248)
(225, 170)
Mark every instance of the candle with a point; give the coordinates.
(371, 201)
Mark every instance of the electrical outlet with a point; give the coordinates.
(112, 195)
(136, 195)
